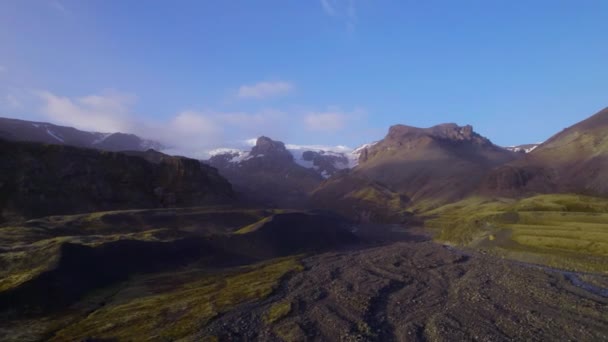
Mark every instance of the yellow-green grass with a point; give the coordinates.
(572, 226)
(290, 332)
(203, 219)
(22, 262)
(169, 308)
(388, 200)
(254, 226)
(277, 311)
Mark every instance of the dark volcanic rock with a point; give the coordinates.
(39, 180)
(267, 147)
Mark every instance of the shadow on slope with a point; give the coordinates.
(64, 270)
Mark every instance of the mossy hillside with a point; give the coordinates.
(199, 220)
(361, 200)
(173, 306)
(33, 247)
(561, 230)
(22, 262)
(254, 226)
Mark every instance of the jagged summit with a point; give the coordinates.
(446, 131)
(436, 164)
(265, 146)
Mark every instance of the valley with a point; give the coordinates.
(303, 171)
(367, 282)
(430, 234)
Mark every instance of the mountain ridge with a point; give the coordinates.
(48, 133)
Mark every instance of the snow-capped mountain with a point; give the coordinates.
(324, 160)
(526, 148)
(21, 130)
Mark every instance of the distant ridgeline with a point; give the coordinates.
(38, 180)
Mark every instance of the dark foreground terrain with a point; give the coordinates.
(417, 290)
(389, 283)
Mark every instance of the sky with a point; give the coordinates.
(204, 74)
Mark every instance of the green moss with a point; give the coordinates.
(545, 225)
(277, 311)
(290, 332)
(253, 227)
(178, 309)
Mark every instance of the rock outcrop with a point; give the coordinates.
(40, 180)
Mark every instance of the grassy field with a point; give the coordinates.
(176, 305)
(568, 231)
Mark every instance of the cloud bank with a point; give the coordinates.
(332, 120)
(189, 132)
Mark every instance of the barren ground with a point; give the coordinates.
(417, 290)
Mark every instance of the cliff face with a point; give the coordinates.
(39, 180)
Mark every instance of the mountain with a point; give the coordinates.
(360, 199)
(324, 160)
(268, 174)
(437, 164)
(38, 180)
(573, 160)
(21, 130)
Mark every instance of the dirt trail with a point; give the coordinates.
(417, 290)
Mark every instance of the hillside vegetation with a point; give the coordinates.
(560, 230)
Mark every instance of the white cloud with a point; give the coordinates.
(101, 113)
(12, 101)
(332, 120)
(325, 122)
(189, 132)
(263, 90)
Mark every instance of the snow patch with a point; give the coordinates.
(525, 148)
(353, 157)
(51, 133)
(102, 137)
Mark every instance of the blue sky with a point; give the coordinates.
(210, 73)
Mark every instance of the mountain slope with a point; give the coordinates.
(437, 164)
(268, 174)
(573, 160)
(21, 130)
(39, 180)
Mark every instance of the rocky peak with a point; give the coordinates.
(265, 146)
(454, 132)
(325, 163)
(447, 131)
